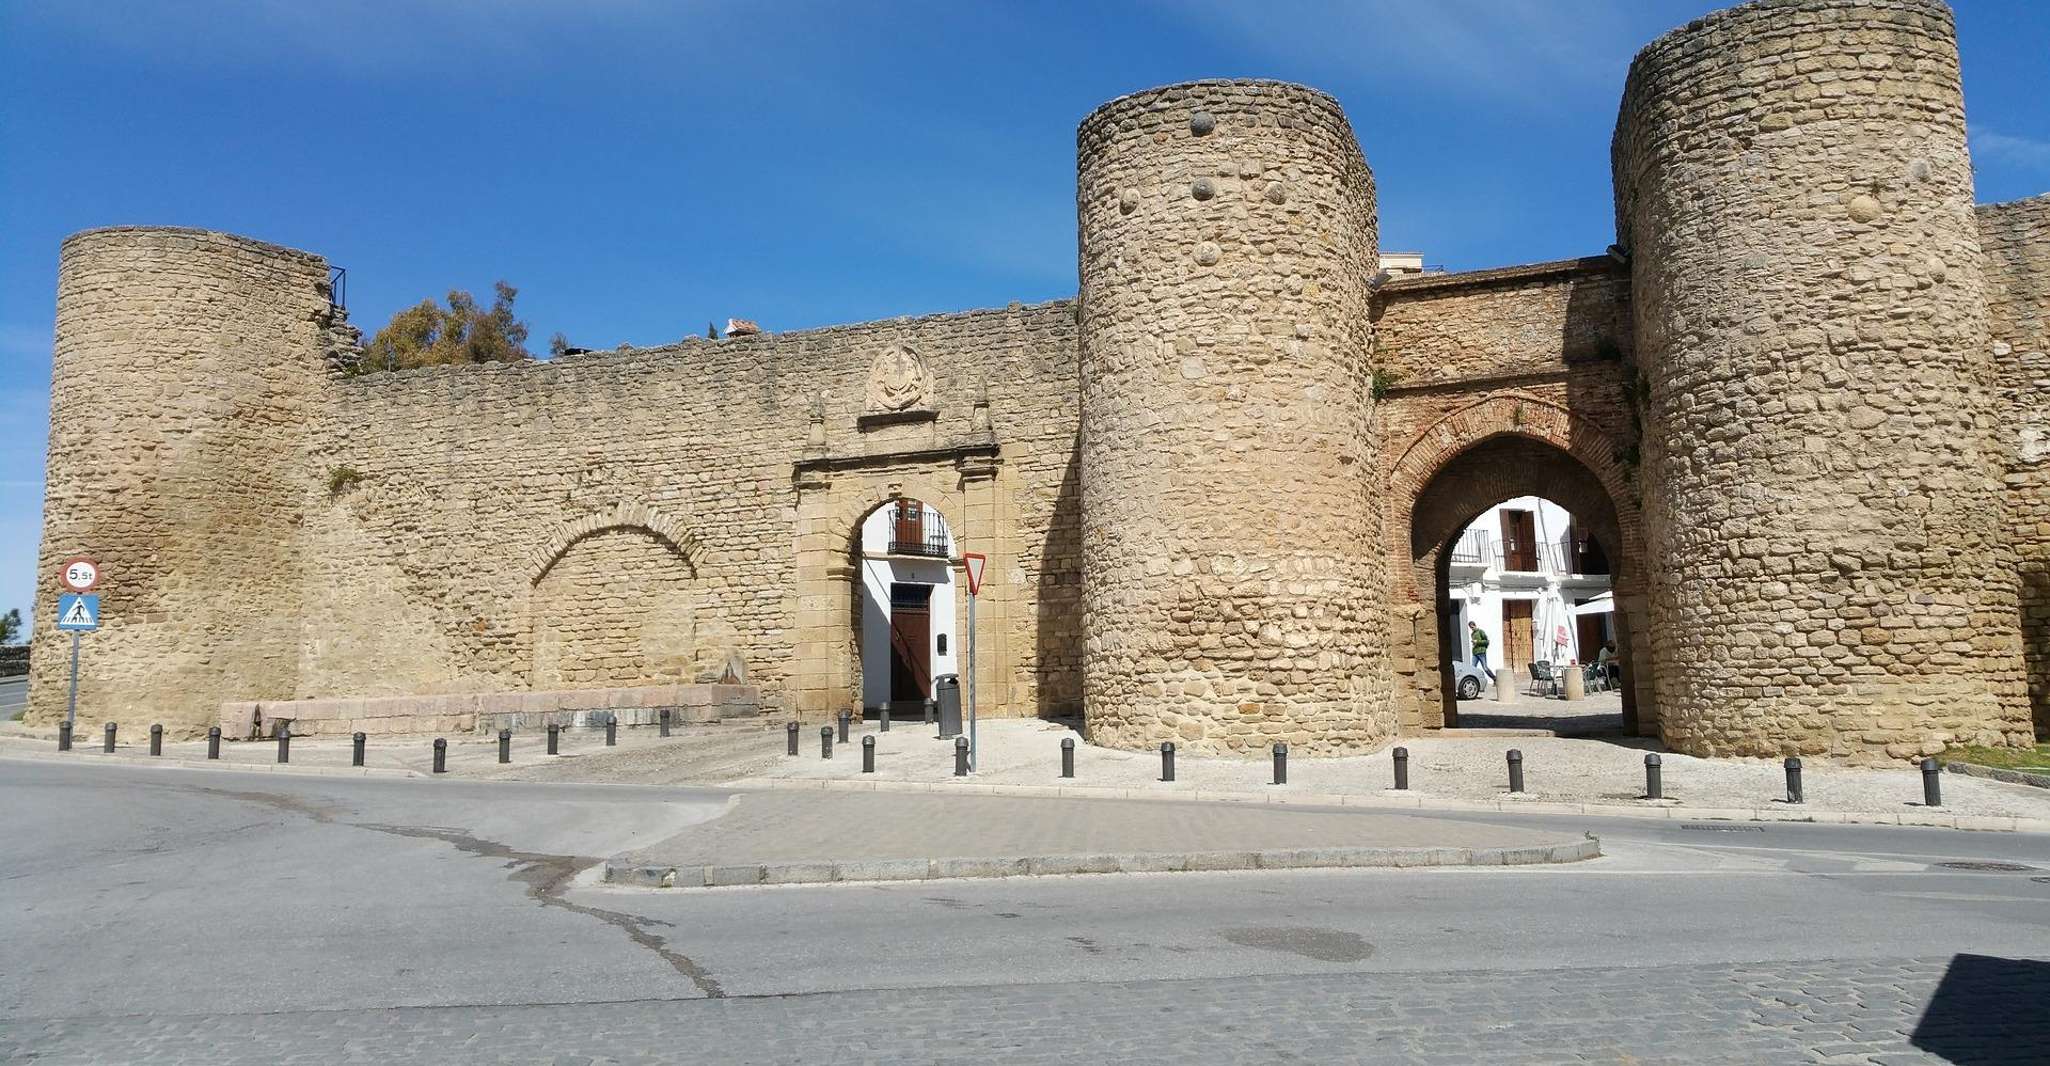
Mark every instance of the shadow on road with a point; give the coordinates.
(1988, 1010)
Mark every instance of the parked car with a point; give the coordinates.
(1470, 680)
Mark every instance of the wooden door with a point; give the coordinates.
(909, 516)
(1516, 632)
(1589, 628)
(910, 641)
(1519, 540)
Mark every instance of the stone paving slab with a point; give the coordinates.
(779, 838)
(1872, 1012)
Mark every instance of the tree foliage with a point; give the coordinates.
(428, 334)
(10, 626)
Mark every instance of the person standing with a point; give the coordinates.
(1479, 639)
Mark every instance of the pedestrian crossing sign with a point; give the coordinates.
(78, 612)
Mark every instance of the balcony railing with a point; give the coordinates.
(1473, 548)
(924, 535)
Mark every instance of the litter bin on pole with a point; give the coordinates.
(946, 689)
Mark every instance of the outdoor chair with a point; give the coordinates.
(1543, 682)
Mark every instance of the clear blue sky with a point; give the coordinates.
(638, 168)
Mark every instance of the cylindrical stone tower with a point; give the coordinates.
(186, 369)
(1830, 572)
(1231, 582)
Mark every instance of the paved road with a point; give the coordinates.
(201, 916)
(13, 697)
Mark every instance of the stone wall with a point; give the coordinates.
(2016, 240)
(1231, 585)
(635, 516)
(187, 369)
(1831, 571)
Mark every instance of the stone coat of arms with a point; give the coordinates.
(899, 381)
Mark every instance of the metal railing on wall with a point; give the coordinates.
(338, 287)
(928, 539)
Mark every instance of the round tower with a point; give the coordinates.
(1230, 584)
(184, 375)
(1821, 488)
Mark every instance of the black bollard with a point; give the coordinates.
(1793, 779)
(611, 730)
(1167, 760)
(1932, 786)
(886, 718)
(845, 717)
(791, 731)
(213, 742)
(554, 731)
(868, 754)
(356, 750)
(1067, 756)
(156, 739)
(1402, 769)
(1653, 787)
(108, 746)
(1280, 764)
(505, 745)
(64, 735)
(932, 714)
(960, 756)
(1515, 770)
(285, 741)
(440, 756)
(825, 742)
(663, 714)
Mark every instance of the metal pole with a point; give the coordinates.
(213, 741)
(931, 713)
(1654, 788)
(554, 732)
(1793, 765)
(108, 747)
(845, 716)
(1515, 770)
(1402, 769)
(868, 754)
(1932, 787)
(505, 744)
(1280, 764)
(960, 756)
(1067, 756)
(356, 750)
(973, 750)
(611, 729)
(664, 713)
(64, 736)
(156, 739)
(285, 740)
(440, 756)
(1167, 760)
(71, 713)
(886, 716)
(825, 742)
(791, 730)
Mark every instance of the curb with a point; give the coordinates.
(101, 759)
(2000, 823)
(1999, 773)
(872, 870)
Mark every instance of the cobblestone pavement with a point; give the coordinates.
(1960, 1009)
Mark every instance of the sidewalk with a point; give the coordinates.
(798, 838)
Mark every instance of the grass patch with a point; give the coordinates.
(2036, 758)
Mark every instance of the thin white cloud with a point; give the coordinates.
(2025, 153)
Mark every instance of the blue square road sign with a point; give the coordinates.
(78, 612)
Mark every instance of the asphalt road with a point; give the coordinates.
(212, 916)
(13, 697)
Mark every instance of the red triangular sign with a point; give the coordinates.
(974, 563)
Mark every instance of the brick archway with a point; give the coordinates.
(1501, 446)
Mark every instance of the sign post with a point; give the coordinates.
(78, 613)
(973, 563)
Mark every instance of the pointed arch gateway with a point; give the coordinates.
(1500, 447)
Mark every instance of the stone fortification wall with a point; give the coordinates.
(2016, 240)
(630, 517)
(186, 369)
(1232, 594)
(1823, 515)
(1502, 323)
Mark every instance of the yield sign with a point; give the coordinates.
(974, 561)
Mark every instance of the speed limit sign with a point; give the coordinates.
(81, 574)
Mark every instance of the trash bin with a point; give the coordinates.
(946, 690)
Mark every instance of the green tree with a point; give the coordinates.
(10, 626)
(558, 344)
(711, 331)
(428, 334)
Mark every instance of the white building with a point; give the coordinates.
(1534, 581)
(908, 635)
